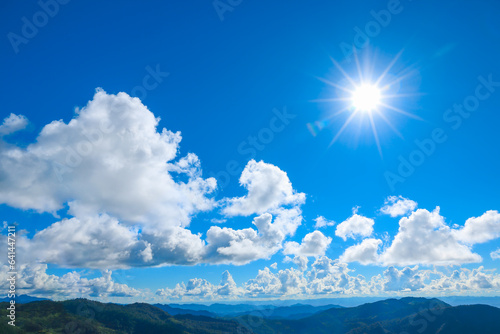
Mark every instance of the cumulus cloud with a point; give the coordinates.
(324, 277)
(227, 245)
(465, 280)
(365, 252)
(33, 279)
(424, 238)
(268, 188)
(13, 123)
(322, 222)
(265, 284)
(480, 229)
(495, 255)
(355, 226)
(111, 159)
(300, 261)
(97, 243)
(313, 244)
(227, 286)
(132, 198)
(198, 288)
(407, 279)
(396, 206)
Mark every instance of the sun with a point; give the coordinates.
(366, 97)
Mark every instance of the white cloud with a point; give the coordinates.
(196, 287)
(33, 279)
(465, 280)
(495, 255)
(325, 277)
(365, 252)
(480, 229)
(409, 279)
(132, 198)
(227, 286)
(268, 189)
(322, 222)
(424, 238)
(108, 159)
(102, 242)
(274, 265)
(398, 206)
(97, 243)
(226, 245)
(301, 262)
(13, 123)
(265, 284)
(313, 244)
(292, 282)
(354, 226)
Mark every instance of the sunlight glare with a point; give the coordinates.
(366, 97)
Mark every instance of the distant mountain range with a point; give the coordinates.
(295, 311)
(23, 299)
(391, 316)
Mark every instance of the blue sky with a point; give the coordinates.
(223, 73)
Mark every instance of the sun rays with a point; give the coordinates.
(367, 95)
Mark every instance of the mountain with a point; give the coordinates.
(466, 319)
(471, 300)
(175, 311)
(296, 311)
(89, 317)
(392, 316)
(22, 299)
(223, 309)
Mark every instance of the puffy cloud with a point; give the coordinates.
(292, 282)
(227, 286)
(265, 284)
(269, 188)
(13, 123)
(365, 252)
(274, 265)
(108, 159)
(424, 238)
(396, 206)
(495, 255)
(407, 279)
(102, 242)
(226, 245)
(313, 244)
(33, 279)
(323, 222)
(195, 287)
(131, 198)
(329, 276)
(300, 261)
(97, 243)
(465, 281)
(354, 226)
(480, 229)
